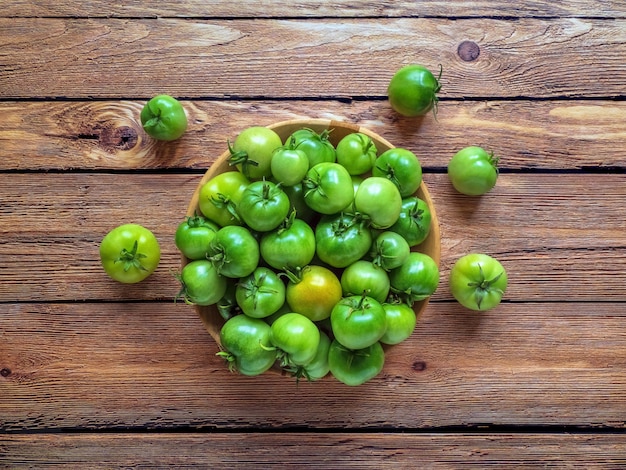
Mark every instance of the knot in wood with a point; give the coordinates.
(468, 51)
(5, 372)
(119, 138)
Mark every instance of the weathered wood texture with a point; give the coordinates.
(312, 9)
(543, 87)
(562, 237)
(152, 366)
(113, 58)
(358, 451)
(545, 135)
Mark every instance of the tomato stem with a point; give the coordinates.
(240, 158)
(131, 259)
(195, 220)
(435, 98)
(298, 372)
(361, 304)
(293, 275)
(222, 201)
(311, 184)
(218, 259)
(494, 161)
(230, 360)
(485, 286)
(154, 120)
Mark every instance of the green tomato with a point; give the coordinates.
(401, 321)
(365, 277)
(413, 90)
(246, 345)
(297, 339)
(318, 368)
(193, 236)
(478, 281)
(129, 253)
(328, 188)
(379, 200)
(341, 239)
(417, 279)
(315, 145)
(289, 166)
(357, 153)
(389, 250)
(260, 294)
(252, 151)
(355, 367)
(234, 251)
(201, 283)
(414, 221)
(473, 171)
(263, 206)
(164, 118)
(358, 321)
(313, 291)
(290, 246)
(220, 196)
(401, 167)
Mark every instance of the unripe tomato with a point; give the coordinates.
(379, 200)
(313, 292)
(413, 90)
(252, 151)
(355, 367)
(473, 171)
(358, 321)
(247, 346)
(129, 253)
(478, 281)
(164, 118)
(296, 337)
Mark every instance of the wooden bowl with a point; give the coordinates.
(211, 318)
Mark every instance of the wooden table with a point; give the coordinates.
(95, 374)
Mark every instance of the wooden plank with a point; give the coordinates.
(52, 225)
(315, 451)
(559, 134)
(313, 9)
(69, 366)
(290, 58)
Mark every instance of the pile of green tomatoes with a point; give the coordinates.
(310, 252)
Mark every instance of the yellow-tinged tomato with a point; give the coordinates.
(313, 292)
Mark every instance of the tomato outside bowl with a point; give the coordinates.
(211, 318)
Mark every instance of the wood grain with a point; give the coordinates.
(120, 365)
(351, 451)
(564, 240)
(117, 58)
(545, 135)
(313, 9)
(94, 374)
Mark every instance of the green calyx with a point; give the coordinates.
(484, 286)
(155, 118)
(494, 161)
(230, 360)
(241, 158)
(222, 201)
(131, 259)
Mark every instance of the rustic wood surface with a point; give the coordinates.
(94, 374)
